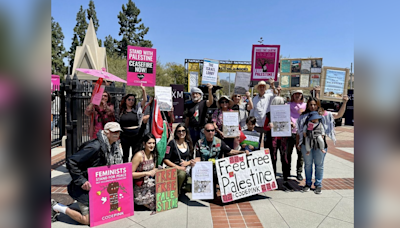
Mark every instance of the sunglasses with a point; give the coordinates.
(224, 102)
(105, 95)
(238, 96)
(210, 130)
(181, 131)
(130, 99)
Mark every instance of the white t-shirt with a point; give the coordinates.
(261, 107)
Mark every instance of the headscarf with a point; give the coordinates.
(196, 90)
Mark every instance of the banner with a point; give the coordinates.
(111, 195)
(55, 82)
(166, 189)
(242, 82)
(233, 68)
(264, 62)
(241, 176)
(230, 127)
(280, 118)
(210, 72)
(193, 79)
(141, 66)
(202, 180)
(164, 96)
(178, 102)
(349, 113)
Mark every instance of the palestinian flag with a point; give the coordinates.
(159, 130)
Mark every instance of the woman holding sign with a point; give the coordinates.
(223, 106)
(102, 114)
(143, 171)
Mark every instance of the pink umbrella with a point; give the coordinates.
(101, 74)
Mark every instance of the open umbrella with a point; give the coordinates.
(101, 74)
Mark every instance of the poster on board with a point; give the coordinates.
(295, 80)
(296, 64)
(285, 81)
(230, 126)
(304, 80)
(166, 189)
(141, 66)
(316, 66)
(285, 66)
(202, 180)
(111, 193)
(210, 72)
(178, 102)
(315, 80)
(241, 176)
(306, 66)
(164, 96)
(242, 82)
(264, 62)
(193, 79)
(280, 118)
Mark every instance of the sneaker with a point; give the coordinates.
(299, 177)
(306, 188)
(318, 190)
(54, 213)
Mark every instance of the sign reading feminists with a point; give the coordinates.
(141, 66)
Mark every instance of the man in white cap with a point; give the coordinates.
(196, 114)
(262, 102)
(104, 150)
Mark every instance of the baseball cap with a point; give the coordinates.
(112, 126)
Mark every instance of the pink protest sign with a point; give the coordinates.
(111, 195)
(141, 66)
(55, 82)
(98, 95)
(264, 62)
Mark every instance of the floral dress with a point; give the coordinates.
(145, 194)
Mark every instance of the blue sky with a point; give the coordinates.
(226, 30)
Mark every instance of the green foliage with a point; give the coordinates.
(57, 49)
(111, 45)
(225, 87)
(79, 33)
(131, 29)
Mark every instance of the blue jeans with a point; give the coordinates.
(315, 157)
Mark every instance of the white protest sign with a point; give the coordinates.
(210, 71)
(242, 82)
(164, 97)
(193, 79)
(230, 126)
(280, 118)
(241, 176)
(202, 180)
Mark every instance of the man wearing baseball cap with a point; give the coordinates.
(104, 150)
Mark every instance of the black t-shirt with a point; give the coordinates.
(197, 114)
(129, 119)
(173, 153)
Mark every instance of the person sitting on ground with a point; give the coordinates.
(143, 172)
(313, 132)
(100, 115)
(180, 154)
(104, 150)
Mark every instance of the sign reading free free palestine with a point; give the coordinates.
(241, 176)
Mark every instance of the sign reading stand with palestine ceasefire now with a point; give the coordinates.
(166, 189)
(264, 62)
(111, 195)
(141, 66)
(241, 176)
(210, 71)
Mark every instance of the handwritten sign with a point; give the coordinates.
(334, 83)
(141, 66)
(241, 176)
(280, 118)
(111, 194)
(166, 189)
(230, 126)
(202, 180)
(210, 71)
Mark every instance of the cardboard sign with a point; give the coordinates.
(334, 83)
(202, 180)
(178, 102)
(166, 189)
(242, 82)
(241, 176)
(163, 95)
(230, 126)
(111, 195)
(264, 62)
(280, 118)
(210, 71)
(141, 66)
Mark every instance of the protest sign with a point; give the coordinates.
(252, 138)
(55, 82)
(193, 79)
(178, 102)
(166, 189)
(242, 82)
(295, 80)
(304, 80)
(315, 80)
(285, 66)
(97, 96)
(230, 126)
(141, 66)
(316, 65)
(96, 89)
(280, 118)
(285, 81)
(305, 67)
(210, 72)
(241, 176)
(334, 83)
(301, 74)
(264, 62)
(202, 180)
(163, 95)
(111, 195)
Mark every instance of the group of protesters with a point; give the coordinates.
(200, 138)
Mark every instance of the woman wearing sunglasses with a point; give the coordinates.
(242, 107)
(223, 106)
(180, 154)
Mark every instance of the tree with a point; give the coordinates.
(263, 62)
(57, 49)
(111, 45)
(176, 72)
(131, 29)
(225, 87)
(79, 33)
(91, 13)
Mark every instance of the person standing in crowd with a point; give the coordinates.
(261, 104)
(143, 172)
(316, 156)
(297, 106)
(130, 119)
(217, 118)
(104, 150)
(180, 154)
(100, 114)
(196, 114)
(242, 107)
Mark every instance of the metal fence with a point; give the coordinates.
(58, 117)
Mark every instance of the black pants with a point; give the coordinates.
(291, 142)
(281, 146)
(130, 138)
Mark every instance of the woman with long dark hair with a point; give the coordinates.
(180, 154)
(130, 119)
(143, 172)
(100, 114)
